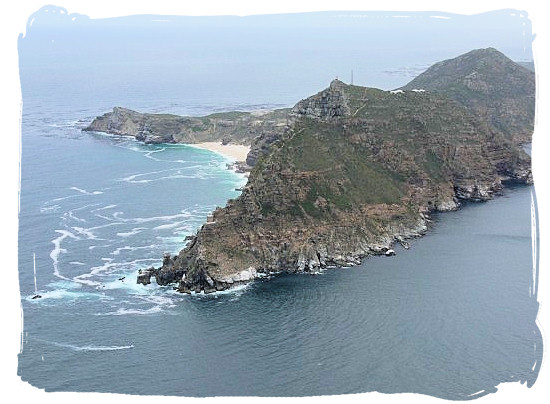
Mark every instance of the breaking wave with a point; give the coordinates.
(89, 348)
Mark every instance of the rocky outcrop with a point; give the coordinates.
(144, 127)
(328, 104)
(257, 129)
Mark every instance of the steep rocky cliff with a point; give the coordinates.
(491, 85)
(356, 170)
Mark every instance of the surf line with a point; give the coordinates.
(87, 348)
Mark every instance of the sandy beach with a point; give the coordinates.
(235, 152)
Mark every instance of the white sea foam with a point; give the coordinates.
(187, 229)
(104, 217)
(109, 219)
(128, 284)
(104, 226)
(134, 231)
(90, 347)
(177, 173)
(160, 300)
(234, 291)
(117, 215)
(63, 284)
(104, 208)
(54, 254)
(86, 232)
(62, 198)
(83, 191)
(124, 311)
(139, 220)
(66, 124)
(117, 137)
(99, 348)
(125, 270)
(140, 261)
(149, 154)
(83, 280)
(129, 248)
(103, 268)
(53, 208)
(58, 294)
(71, 215)
(167, 226)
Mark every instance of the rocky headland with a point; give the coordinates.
(350, 171)
(255, 129)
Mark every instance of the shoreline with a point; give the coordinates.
(235, 152)
(377, 249)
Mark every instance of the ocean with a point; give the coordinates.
(452, 317)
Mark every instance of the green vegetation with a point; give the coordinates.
(489, 84)
(330, 168)
(228, 115)
(266, 208)
(434, 165)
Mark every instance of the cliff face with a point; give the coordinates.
(356, 170)
(258, 129)
(491, 85)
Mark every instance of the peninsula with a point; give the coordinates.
(351, 170)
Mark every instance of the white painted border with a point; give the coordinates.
(15, 16)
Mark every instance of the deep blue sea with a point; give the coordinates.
(452, 317)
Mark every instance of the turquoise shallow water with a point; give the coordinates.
(452, 317)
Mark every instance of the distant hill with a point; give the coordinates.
(235, 126)
(490, 84)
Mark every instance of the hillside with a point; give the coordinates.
(356, 170)
(491, 85)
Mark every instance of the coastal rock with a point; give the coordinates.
(242, 276)
(447, 206)
(144, 276)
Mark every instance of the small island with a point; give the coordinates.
(349, 171)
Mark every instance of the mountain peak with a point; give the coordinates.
(327, 104)
(336, 84)
(491, 84)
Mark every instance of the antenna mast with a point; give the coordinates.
(34, 266)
